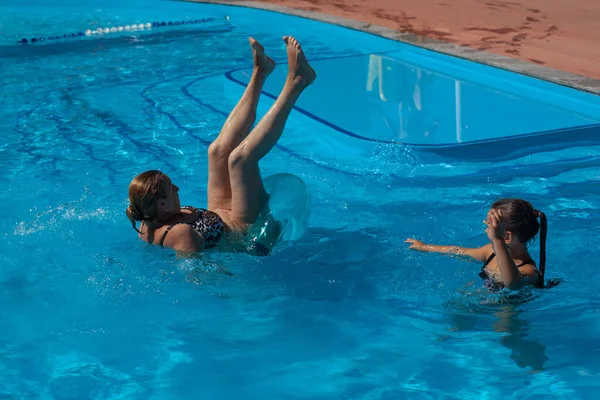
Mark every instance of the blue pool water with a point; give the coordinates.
(392, 142)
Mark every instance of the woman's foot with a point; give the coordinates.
(300, 73)
(262, 63)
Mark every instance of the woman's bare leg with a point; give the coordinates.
(248, 193)
(236, 128)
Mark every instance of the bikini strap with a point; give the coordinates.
(191, 208)
(530, 261)
(162, 239)
(490, 258)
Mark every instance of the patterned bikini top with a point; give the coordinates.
(208, 224)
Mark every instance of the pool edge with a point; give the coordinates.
(530, 69)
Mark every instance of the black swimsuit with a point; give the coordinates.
(488, 281)
(208, 224)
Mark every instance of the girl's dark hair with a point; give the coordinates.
(520, 218)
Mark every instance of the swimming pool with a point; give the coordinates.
(347, 312)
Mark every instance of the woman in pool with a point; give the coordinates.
(511, 225)
(236, 194)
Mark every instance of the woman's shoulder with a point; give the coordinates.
(183, 237)
(152, 236)
(160, 234)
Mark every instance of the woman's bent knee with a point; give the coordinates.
(239, 159)
(217, 151)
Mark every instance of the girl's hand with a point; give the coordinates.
(495, 226)
(415, 244)
(479, 254)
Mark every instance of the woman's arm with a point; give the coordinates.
(479, 254)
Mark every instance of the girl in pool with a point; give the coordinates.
(236, 194)
(511, 225)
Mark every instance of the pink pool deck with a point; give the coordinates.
(550, 39)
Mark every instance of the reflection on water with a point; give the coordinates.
(401, 87)
(396, 97)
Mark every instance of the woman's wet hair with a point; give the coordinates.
(144, 192)
(520, 218)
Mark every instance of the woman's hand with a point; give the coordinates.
(495, 226)
(415, 244)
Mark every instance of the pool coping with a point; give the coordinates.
(522, 67)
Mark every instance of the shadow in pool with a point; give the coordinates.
(508, 321)
(325, 265)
